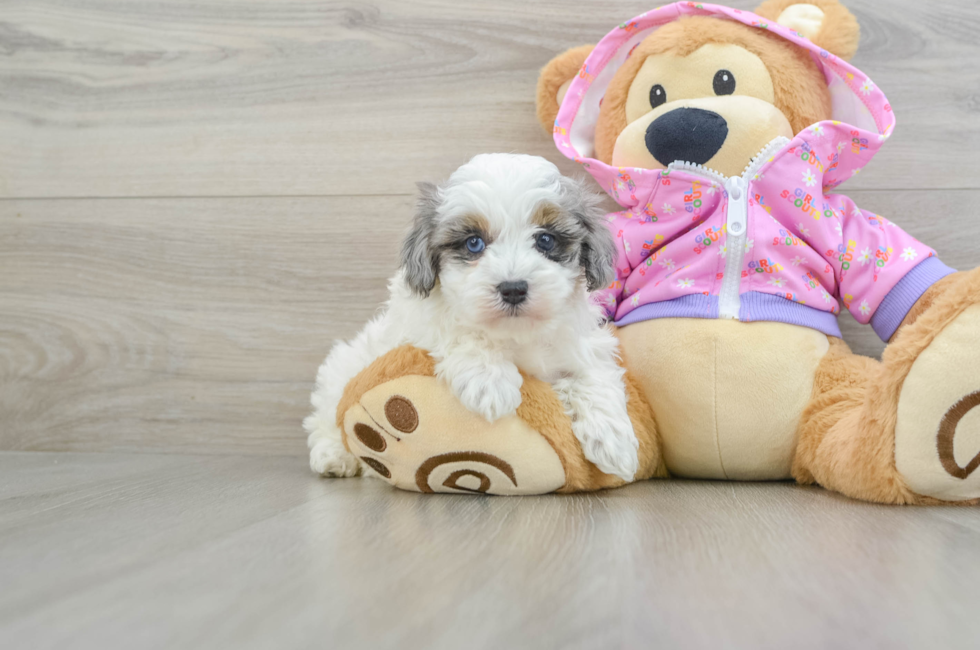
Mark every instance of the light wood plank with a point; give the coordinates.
(198, 324)
(137, 551)
(306, 97)
(176, 324)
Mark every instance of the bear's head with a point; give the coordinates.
(709, 91)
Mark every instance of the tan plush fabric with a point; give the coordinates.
(537, 445)
(845, 442)
(688, 82)
(925, 300)
(557, 73)
(405, 360)
(542, 411)
(937, 465)
(450, 449)
(848, 432)
(799, 87)
(727, 395)
(839, 31)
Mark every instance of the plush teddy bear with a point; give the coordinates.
(722, 134)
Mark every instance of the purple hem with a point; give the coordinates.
(903, 296)
(756, 306)
(696, 305)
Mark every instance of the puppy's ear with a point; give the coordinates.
(554, 80)
(599, 257)
(419, 257)
(827, 23)
(598, 250)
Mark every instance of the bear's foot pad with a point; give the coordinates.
(937, 436)
(412, 432)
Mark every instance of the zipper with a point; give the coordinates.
(729, 300)
(737, 188)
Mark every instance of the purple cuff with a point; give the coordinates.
(695, 305)
(903, 296)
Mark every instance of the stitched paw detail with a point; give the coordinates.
(946, 439)
(937, 436)
(413, 433)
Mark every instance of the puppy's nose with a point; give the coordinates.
(513, 293)
(688, 134)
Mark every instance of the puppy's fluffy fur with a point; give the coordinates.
(500, 221)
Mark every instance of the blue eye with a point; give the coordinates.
(475, 245)
(546, 242)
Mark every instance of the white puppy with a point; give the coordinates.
(495, 276)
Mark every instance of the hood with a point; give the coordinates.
(861, 113)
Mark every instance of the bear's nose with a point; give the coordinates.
(687, 134)
(513, 293)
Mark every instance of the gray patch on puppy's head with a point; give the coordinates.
(420, 255)
(597, 254)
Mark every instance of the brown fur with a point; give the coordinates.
(800, 89)
(540, 409)
(847, 432)
(839, 33)
(547, 215)
(556, 72)
(543, 412)
(404, 360)
(925, 300)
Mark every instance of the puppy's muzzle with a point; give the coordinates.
(687, 134)
(513, 293)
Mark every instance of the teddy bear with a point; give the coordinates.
(723, 135)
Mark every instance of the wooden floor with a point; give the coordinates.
(166, 551)
(197, 197)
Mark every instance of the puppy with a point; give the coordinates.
(495, 276)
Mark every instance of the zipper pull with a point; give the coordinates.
(729, 299)
(737, 205)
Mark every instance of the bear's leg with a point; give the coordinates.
(905, 430)
(842, 445)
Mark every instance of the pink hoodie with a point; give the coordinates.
(770, 245)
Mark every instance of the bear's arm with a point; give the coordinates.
(882, 271)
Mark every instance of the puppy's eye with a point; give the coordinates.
(658, 96)
(545, 242)
(724, 82)
(475, 245)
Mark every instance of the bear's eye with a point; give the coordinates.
(658, 96)
(724, 82)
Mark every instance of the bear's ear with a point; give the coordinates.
(827, 23)
(554, 81)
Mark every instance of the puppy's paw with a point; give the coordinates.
(493, 391)
(328, 457)
(608, 442)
